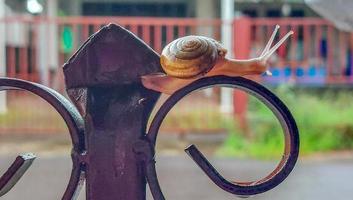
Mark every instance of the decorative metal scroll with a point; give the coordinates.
(282, 113)
(112, 150)
(75, 126)
(15, 172)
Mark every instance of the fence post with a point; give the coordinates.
(103, 80)
(241, 49)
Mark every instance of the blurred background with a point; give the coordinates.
(312, 74)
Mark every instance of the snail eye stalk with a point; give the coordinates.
(267, 52)
(269, 43)
(276, 46)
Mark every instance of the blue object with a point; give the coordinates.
(312, 71)
(287, 71)
(322, 71)
(275, 72)
(323, 48)
(299, 72)
(349, 57)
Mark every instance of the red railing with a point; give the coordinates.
(316, 55)
(57, 39)
(21, 54)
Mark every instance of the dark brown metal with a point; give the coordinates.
(71, 117)
(103, 80)
(15, 172)
(291, 150)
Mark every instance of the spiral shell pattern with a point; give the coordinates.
(189, 57)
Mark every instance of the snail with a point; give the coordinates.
(189, 58)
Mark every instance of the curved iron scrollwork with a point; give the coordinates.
(103, 78)
(15, 172)
(75, 126)
(282, 113)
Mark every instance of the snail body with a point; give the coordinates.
(191, 56)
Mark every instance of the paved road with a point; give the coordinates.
(320, 179)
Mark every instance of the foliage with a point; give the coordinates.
(194, 118)
(324, 120)
(27, 114)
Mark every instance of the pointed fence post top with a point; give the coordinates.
(112, 56)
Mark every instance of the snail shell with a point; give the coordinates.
(191, 56)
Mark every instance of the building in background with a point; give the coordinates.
(186, 8)
(151, 8)
(273, 8)
(173, 8)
